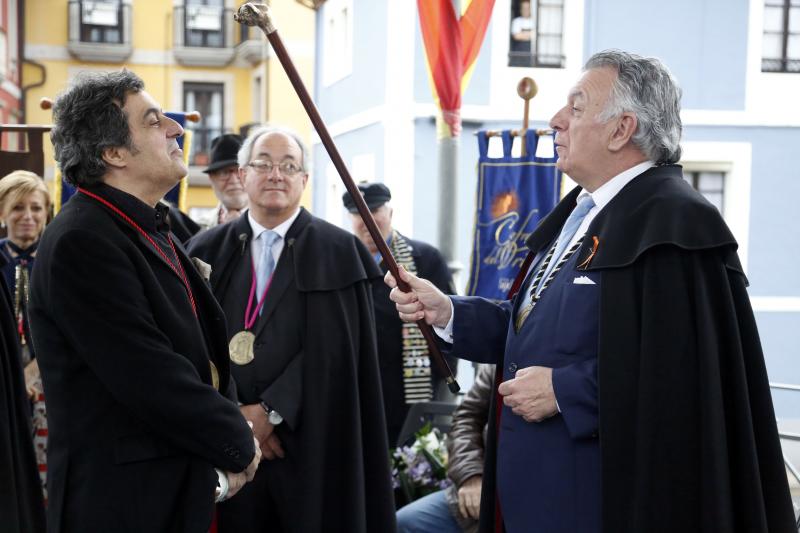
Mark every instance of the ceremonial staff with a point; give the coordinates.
(251, 14)
(526, 89)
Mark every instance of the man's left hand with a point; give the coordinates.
(469, 498)
(530, 394)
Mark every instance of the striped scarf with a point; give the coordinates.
(417, 378)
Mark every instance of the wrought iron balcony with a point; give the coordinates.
(203, 35)
(99, 31)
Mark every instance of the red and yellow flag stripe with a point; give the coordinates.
(452, 44)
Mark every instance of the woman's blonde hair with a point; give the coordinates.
(16, 186)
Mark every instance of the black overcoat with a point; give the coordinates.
(688, 437)
(431, 266)
(21, 504)
(135, 426)
(316, 364)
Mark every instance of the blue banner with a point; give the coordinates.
(514, 194)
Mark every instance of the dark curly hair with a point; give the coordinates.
(88, 118)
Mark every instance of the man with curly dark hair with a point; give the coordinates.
(130, 340)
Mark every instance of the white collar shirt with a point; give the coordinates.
(603, 195)
(257, 242)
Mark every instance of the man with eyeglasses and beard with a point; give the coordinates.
(297, 296)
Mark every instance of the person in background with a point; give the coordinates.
(223, 173)
(24, 206)
(407, 375)
(296, 293)
(456, 509)
(522, 36)
(21, 496)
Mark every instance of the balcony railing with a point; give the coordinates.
(531, 59)
(99, 31)
(792, 437)
(203, 35)
(201, 145)
(250, 45)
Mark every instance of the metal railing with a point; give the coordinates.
(789, 436)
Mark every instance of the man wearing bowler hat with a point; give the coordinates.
(223, 172)
(407, 375)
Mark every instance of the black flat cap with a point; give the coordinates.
(375, 195)
(224, 151)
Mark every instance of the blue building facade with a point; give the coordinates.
(741, 124)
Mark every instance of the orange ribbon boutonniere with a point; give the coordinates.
(595, 244)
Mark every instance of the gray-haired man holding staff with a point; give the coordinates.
(635, 396)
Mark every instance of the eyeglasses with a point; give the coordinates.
(287, 168)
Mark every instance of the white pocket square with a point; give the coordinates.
(583, 280)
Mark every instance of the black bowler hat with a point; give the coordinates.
(224, 151)
(375, 194)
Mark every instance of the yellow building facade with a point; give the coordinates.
(191, 55)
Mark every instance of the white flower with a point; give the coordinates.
(429, 442)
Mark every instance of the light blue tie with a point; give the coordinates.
(267, 263)
(567, 232)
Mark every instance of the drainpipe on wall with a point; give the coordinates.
(21, 48)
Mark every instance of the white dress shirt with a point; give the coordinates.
(601, 197)
(257, 243)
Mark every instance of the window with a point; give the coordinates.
(101, 22)
(207, 98)
(781, 40)
(204, 23)
(337, 40)
(536, 35)
(709, 184)
(99, 31)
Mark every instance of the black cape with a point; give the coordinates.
(688, 436)
(338, 430)
(21, 502)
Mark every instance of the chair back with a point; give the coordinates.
(439, 414)
(33, 159)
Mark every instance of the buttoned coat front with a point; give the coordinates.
(136, 427)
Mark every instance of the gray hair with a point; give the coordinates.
(87, 119)
(644, 87)
(243, 157)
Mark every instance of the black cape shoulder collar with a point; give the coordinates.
(325, 257)
(656, 208)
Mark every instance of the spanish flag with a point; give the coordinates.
(452, 44)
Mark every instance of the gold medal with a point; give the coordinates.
(241, 347)
(214, 375)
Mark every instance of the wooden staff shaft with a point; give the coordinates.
(524, 134)
(355, 193)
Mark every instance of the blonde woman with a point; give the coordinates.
(24, 207)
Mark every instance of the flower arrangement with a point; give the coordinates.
(421, 468)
